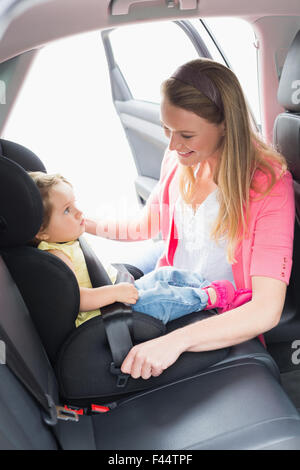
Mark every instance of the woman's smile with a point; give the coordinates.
(185, 154)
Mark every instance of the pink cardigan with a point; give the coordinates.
(268, 249)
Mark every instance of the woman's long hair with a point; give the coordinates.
(243, 151)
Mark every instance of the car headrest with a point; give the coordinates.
(21, 207)
(286, 136)
(289, 87)
(21, 155)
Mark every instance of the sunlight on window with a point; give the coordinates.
(65, 115)
(237, 40)
(146, 58)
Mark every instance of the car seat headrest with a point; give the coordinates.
(289, 87)
(21, 207)
(21, 155)
(286, 135)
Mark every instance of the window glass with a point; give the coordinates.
(64, 113)
(238, 43)
(147, 54)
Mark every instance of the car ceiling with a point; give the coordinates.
(47, 20)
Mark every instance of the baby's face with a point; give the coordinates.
(67, 222)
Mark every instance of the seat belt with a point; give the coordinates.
(97, 273)
(15, 362)
(117, 318)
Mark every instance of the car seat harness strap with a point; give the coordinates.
(117, 318)
(118, 329)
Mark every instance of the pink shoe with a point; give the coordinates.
(241, 297)
(225, 294)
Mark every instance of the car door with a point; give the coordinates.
(139, 58)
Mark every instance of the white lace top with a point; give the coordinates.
(195, 250)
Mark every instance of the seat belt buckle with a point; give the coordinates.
(57, 412)
(64, 414)
(122, 379)
(99, 408)
(77, 410)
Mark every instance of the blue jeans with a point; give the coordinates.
(169, 293)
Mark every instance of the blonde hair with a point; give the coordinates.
(243, 151)
(45, 182)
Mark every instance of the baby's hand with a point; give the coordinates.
(126, 292)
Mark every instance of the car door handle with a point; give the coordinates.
(121, 7)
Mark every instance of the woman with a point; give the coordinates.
(226, 208)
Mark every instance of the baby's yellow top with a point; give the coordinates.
(73, 251)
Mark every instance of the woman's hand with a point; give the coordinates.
(152, 357)
(126, 292)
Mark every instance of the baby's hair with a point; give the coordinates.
(45, 182)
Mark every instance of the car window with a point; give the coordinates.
(237, 40)
(64, 113)
(148, 53)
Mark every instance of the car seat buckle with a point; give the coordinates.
(57, 412)
(78, 411)
(99, 408)
(66, 415)
(122, 379)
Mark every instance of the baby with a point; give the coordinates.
(166, 293)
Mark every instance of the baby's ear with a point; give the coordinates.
(42, 236)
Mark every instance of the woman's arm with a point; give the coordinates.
(147, 224)
(259, 315)
(235, 326)
(93, 298)
(142, 227)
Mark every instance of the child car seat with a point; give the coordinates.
(86, 359)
